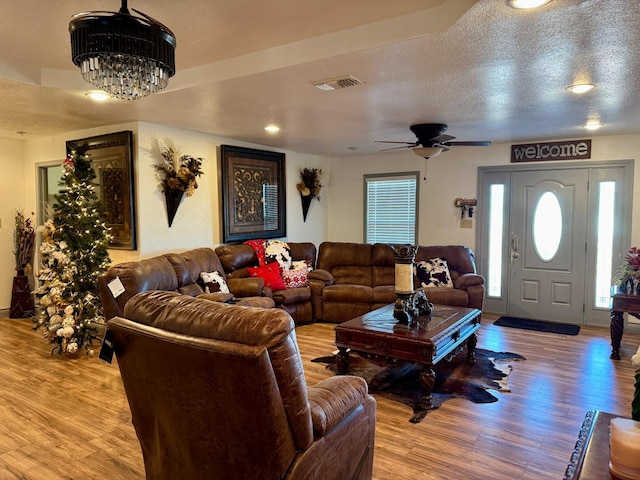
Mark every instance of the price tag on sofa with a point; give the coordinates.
(116, 287)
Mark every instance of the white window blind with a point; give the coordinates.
(391, 208)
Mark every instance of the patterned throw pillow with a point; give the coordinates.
(214, 282)
(270, 273)
(433, 273)
(298, 277)
(278, 251)
(300, 264)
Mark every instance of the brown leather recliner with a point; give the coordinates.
(218, 391)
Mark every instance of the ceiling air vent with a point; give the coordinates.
(336, 83)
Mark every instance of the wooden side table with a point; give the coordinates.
(621, 303)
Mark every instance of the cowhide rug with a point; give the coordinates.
(455, 379)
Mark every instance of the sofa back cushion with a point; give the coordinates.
(383, 265)
(460, 259)
(189, 265)
(347, 262)
(155, 273)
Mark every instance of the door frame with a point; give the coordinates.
(624, 210)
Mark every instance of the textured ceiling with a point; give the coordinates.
(488, 71)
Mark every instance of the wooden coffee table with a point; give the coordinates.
(379, 337)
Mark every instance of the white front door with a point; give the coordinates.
(550, 238)
(548, 245)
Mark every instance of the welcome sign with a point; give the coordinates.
(542, 152)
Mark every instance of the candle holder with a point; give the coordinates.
(404, 256)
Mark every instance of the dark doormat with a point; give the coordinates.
(454, 379)
(538, 325)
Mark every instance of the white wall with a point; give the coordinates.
(13, 198)
(198, 221)
(448, 176)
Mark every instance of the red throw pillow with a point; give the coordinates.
(270, 273)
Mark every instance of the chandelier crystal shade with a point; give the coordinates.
(128, 57)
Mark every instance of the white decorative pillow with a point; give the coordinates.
(298, 277)
(296, 264)
(278, 251)
(214, 282)
(433, 273)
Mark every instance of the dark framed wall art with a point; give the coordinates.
(253, 194)
(112, 159)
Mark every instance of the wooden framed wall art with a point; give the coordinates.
(253, 194)
(112, 160)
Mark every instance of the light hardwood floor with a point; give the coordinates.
(64, 418)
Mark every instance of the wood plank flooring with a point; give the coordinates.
(63, 418)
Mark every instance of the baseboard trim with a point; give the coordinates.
(4, 313)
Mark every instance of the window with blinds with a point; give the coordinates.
(391, 208)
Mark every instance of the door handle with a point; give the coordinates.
(515, 247)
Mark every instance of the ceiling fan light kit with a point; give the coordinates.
(127, 56)
(526, 4)
(432, 140)
(427, 152)
(580, 88)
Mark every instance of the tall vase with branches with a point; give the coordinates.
(24, 235)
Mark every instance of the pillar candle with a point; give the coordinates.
(624, 452)
(404, 277)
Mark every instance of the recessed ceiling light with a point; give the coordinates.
(579, 88)
(272, 128)
(524, 4)
(98, 95)
(592, 126)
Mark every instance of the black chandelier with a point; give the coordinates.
(128, 57)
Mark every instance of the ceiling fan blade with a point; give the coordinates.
(443, 138)
(396, 148)
(404, 143)
(467, 144)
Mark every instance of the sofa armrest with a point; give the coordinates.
(334, 399)
(246, 287)
(217, 297)
(322, 276)
(468, 279)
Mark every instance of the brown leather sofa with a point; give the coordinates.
(352, 279)
(218, 391)
(177, 272)
(296, 301)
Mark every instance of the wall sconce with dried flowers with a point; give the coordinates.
(309, 188)
(178, 176)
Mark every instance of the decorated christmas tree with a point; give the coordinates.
(73, 254)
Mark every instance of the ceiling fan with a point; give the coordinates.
(432, 140)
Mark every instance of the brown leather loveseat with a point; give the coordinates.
(218, 391)
(352, 279)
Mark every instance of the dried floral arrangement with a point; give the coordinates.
(179, 173)
(310, 184)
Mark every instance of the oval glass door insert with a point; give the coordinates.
(547, 226)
